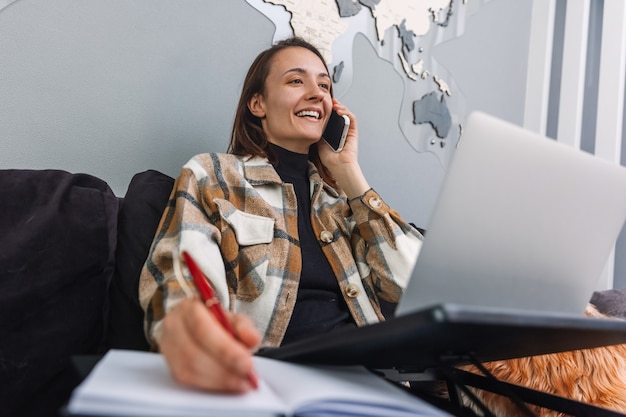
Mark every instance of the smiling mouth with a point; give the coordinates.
(309, 113)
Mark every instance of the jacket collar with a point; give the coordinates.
(259, 171)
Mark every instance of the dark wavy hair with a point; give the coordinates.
(248, 137)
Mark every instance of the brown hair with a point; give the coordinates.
(248, 137)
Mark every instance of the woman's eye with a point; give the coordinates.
(296, 81)
(324, 86)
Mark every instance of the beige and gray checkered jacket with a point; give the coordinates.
(237, 218)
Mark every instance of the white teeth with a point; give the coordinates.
(308, 113)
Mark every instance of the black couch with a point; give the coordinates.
(70, 257)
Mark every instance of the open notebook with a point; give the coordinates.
(139, 384)
(517, 241)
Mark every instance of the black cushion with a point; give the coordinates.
(611, 302)
(57, 248)
(140, 213)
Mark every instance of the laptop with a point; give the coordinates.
(521, 222)
(520, 234)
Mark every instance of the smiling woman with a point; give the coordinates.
(289, 233)
(296, 101)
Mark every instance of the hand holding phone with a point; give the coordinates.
(336, 130)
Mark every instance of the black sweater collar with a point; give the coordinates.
(291, 164)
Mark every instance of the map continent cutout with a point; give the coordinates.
(403, 33)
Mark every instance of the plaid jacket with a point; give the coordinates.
(237, 218)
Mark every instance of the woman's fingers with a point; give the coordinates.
(245, 330)
(200, 352)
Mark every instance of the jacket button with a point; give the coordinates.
(375, 202)
(326, 236)
(352, 290)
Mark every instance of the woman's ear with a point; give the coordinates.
(256, 106)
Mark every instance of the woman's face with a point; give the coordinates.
(297, 102)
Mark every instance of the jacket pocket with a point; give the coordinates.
(250, 253)
(250, 229)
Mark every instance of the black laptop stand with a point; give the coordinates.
(436, 340)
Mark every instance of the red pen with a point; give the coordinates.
(212, 303)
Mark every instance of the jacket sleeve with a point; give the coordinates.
(185, 226)
(385, 247)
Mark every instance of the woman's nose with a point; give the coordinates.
(317, 93)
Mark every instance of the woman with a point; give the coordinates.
(289, 233)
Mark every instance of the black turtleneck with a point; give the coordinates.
(320, 307)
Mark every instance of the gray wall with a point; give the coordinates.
(115, 87)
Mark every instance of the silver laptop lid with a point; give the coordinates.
(521, 222)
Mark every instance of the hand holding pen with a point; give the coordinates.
(202, 353)
(212, 303)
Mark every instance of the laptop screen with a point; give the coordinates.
(521, 222)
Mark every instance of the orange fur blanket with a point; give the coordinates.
(594, 376)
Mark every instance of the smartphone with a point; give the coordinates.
(336, 130)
